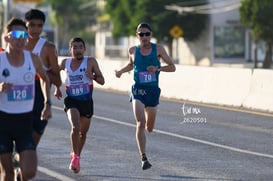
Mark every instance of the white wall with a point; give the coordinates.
(238, 87)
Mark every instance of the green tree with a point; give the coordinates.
(127, 14)
(256, 15)
(74, 18)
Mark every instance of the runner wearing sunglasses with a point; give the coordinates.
(17, 71)
(144, 59)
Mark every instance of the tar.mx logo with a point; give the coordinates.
(192, 114)
(189, 110)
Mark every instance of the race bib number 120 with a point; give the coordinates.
(21, 93)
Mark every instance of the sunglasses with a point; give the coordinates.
(146, 34)
(17, 34)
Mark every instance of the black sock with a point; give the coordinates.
(143, 157)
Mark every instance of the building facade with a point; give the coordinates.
(224, 41)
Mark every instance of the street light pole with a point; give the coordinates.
(5, 19)
(6, 11)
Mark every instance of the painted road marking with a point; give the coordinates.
(63, 177)
(184, 137)
(54, 174)
(190, 138)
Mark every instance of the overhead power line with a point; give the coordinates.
(211, 8)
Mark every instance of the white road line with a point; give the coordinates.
(186, 138)
(216, 145)
(51, 172)
(63, 177)
(54, 174)
(191, 139)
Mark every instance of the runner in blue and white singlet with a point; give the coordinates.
(78, 85)
(80, 73)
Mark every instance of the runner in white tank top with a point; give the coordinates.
(21, 98)
(78, 85)
(17, 70)
(80, 72)
(47, 52)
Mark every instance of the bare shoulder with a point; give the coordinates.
(161, 51)
(160, 47)
(92, 60)
(62, 64)
(50, 46)
(63, 61)
(132, 50)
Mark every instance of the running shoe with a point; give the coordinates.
(75, 163)
(146, 165)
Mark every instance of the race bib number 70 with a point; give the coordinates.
(145, 77)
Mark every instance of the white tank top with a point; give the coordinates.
(20, 99)
(38, 48)
(77, 83)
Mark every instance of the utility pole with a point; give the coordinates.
(6, 11)
(6, 7)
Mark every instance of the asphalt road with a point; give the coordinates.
(190, 142)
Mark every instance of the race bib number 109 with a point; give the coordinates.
(80, 89)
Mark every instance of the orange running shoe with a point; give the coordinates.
(75, 163)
